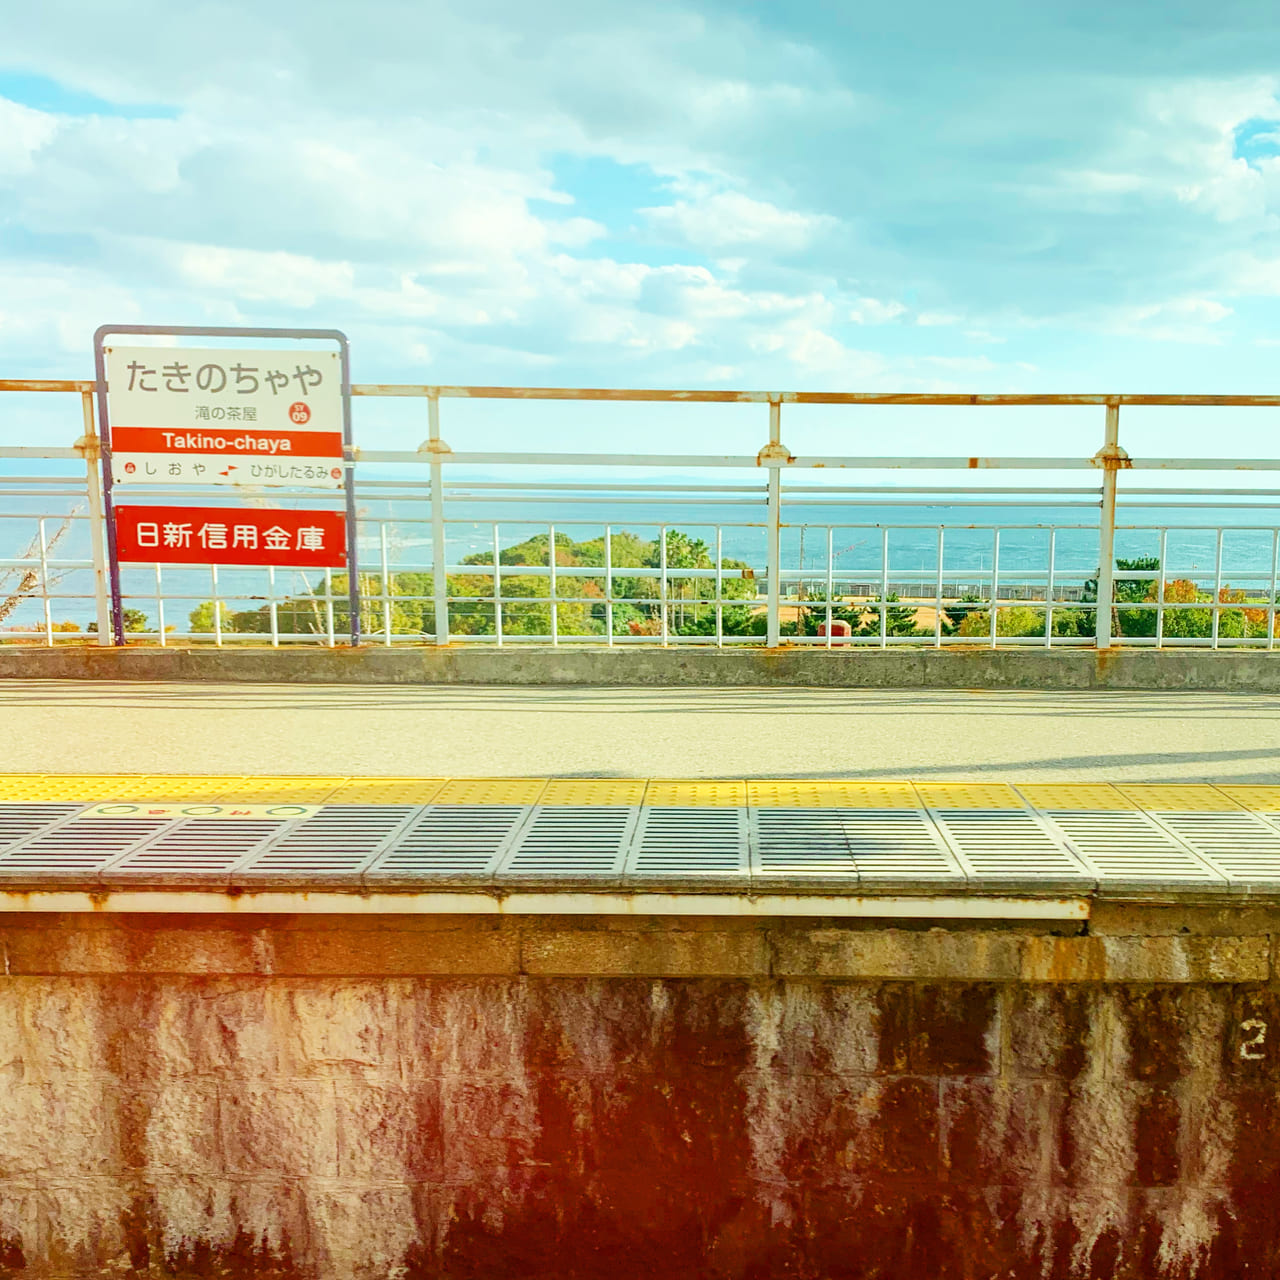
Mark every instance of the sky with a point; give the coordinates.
(816, 195)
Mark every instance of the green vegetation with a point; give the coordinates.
(690, 609)
(136, 620)
(526, 603)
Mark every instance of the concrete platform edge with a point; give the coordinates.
(1200, 670)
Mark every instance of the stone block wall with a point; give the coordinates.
(461, 1097)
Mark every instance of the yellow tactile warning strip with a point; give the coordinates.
(674, 793)
(968, 795)
(606, 792)
(177, 787)
(287, 790)
(386, 791)
(491, 791)
(826, 794)
(1259, 799)
(782, 793)
(1184, 798)
(1074, 795)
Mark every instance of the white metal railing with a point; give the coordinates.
(771, 562)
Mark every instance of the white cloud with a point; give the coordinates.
(872, 311)
(23, 132)
(729, 219)
(1189, 320)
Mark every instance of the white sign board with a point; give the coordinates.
(260, 418)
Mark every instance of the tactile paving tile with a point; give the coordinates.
(76, 788)
(282, 790)
(79, 845)
(690, 844)
(968, 795)
(447, 842)
(1258, 799)
(1006, 844)
(339, 841)
(198, 847)
(173, 787)
(624, 793)
(1129, 849)
(412, 791)
(499, 791)
(828, 794)
(1184, 797)
(675, 793)
(565, 843)
(22, 788)
(1074, 795)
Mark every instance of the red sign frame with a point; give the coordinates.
(247, 536)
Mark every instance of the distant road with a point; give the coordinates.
(88, 727)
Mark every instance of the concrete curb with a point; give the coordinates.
(901, 668)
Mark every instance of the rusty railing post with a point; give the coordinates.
(88, 444)
(1111, 458)
(439, 582)
(771, 456)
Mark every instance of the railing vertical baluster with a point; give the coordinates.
(44, 586)
(1217, 589)
(160, 606)
(719, 586)
(608, 585)
(97, 522)
(386, 581)
(1271, 595)
(554, 595)
(1048, 590)
(328, 607)
(1107, 530)
(662, 582)
(273, 607)
(217, 606)
(773, 626)
(831, 579)
(439, 582)
(995, 584)
(497, 584)
(884, 588)
(937, 596)
(1164, 556)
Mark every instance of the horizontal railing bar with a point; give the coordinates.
(39, 451)
(44, 384)
(709, 396)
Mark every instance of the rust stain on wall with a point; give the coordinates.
(197, 1125)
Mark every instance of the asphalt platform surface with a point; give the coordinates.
(459, 731)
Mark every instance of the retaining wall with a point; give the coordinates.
(1201, 669)
(577, 1097)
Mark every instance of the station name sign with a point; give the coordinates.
(247, 418)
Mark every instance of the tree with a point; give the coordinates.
(24, 579)
(900, 620)
(1014, 620)
(201, 617)
(134, 620)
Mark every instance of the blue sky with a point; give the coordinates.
(818, 195)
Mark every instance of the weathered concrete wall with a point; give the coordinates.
(1238, 670)
(454, 1097)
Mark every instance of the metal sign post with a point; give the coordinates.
(216, 416)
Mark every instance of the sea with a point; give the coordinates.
(858, 537)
